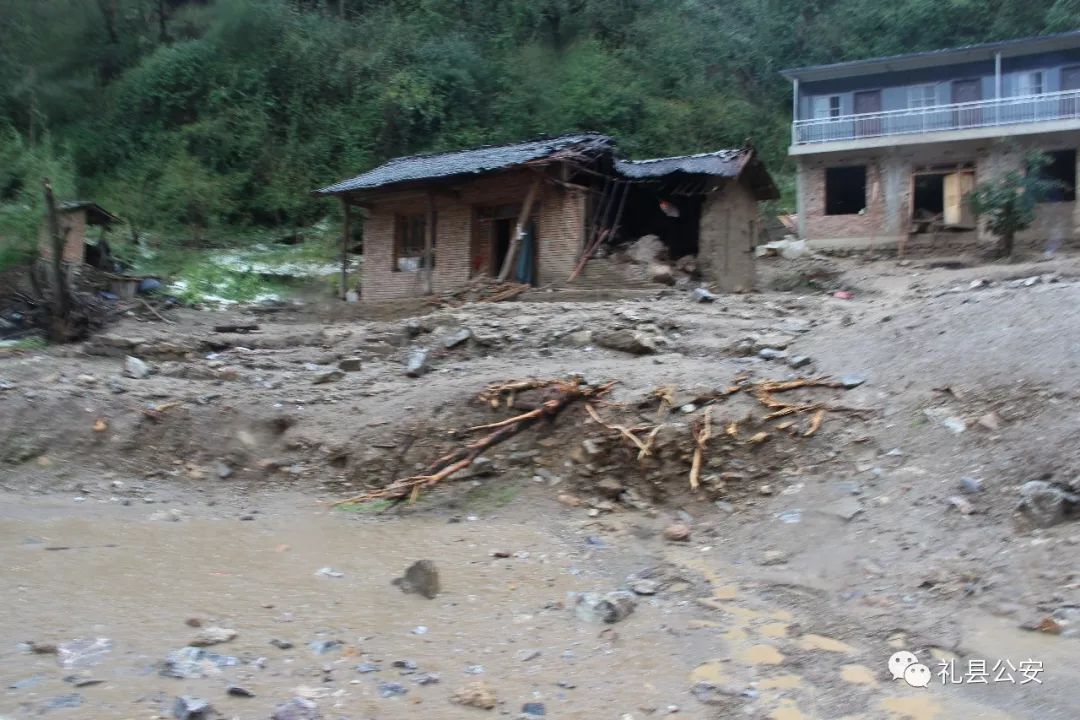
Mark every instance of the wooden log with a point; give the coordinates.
(519, 229)
(346, 230)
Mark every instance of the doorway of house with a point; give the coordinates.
(493, 234)
(940, 199)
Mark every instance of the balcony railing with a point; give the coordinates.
(959, 116)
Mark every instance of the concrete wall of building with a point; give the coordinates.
(728, 233)
(559, 214)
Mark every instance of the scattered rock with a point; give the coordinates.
(528, 654)
(478, 695)
(579, 338)
(774, 557)
(321, 647)
(962, 504)
(610, 488)
(677, 532)
(971, 485)
(353, 364)
(726, 696)
(418, 363)
(192, 662)
(701, 295)
(798, 361)
(768, 353)
(990, 421)
(1047, 625)
(213, 636)
(456, 338)
(365, 668)
(329, 572)
(421, 577)
(1045, 504)
(223, 471)
(628, 341)
(392, 689)
(645, 587)
(238, 691)
(42, 648)
(136, 368)
(846, 508)
(604, 607)
(646, 249)
(570, 500)
(79, 653)
(297, 709)
(852, 381)
(534, 709)
(327, 376)
(187, 707)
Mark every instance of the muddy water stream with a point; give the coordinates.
(98, 570)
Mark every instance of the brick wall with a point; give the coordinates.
(560, 232)
(817, 225)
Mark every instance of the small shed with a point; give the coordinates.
(75, 217)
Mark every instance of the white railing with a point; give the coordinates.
(960, 116)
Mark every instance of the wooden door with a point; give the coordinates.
(867, 102)
(967, 91)
(1070, 80)
(958, 212)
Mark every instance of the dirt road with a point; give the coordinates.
(131, 505)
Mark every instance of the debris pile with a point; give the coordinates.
(709, 440)
(480, 289)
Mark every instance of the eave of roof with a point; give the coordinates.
(97, 214)
(933, 58)
(466, 162)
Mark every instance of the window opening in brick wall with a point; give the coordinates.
(409, 238)
(1062, 172)
(845, 190)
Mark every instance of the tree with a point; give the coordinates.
(1007, 203)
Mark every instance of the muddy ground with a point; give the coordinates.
(132, 505)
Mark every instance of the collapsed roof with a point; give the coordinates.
(730, 163)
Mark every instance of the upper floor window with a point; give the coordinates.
(826, 106)
(1029, 83)
(922, 96)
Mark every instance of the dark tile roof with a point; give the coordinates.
(722, 163)
(95, 214)
(467, 162)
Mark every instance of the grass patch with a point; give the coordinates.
(28, 343)
(492, 495)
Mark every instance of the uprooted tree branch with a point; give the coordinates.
(556, 396)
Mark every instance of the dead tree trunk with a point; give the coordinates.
(59, 294)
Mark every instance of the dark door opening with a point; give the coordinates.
(501, 232)
(929, 196)
(867, 102)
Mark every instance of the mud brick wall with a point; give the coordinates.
(74, 223)
(729, 225)
(560, 216)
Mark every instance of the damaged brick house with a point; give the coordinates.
(550, 213)
(888, 149)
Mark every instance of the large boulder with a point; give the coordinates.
(646, 249)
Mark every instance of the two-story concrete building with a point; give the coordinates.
(888, 149)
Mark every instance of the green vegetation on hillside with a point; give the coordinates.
(200, 119)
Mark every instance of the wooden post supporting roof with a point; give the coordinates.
(429, 244)
(346, 231)
(519, 229)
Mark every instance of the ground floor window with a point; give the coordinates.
(410, 233)
(1062, 172)
(845, 190)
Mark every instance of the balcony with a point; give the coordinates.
(997, 113)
